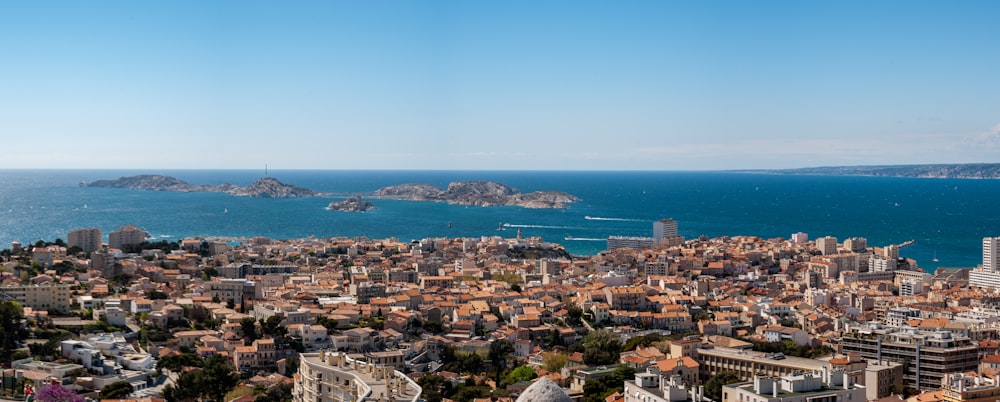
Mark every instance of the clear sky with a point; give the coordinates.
(624, 85)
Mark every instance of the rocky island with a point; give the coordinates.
(266, 187)
(351, 204)
(477, 193)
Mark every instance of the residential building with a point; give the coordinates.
(958, 387)
(88, 239)
(987, 276)
(882, 378)
(650, 387)
(665, 233)
(745, 364)
(817, 386)
(827, 245)
(39, 297)
(926, 355)
(334, 377)
(126, 235)
(634, 242)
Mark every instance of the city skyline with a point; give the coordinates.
(513, 85)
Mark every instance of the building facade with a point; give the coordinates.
(126, 235)
(39, 297)
(334, 377)
(88, 239)
(927, 356)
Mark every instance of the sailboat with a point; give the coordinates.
(935, 256)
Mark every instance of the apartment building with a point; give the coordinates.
(927, 356)
(334, 377)
(39, 297)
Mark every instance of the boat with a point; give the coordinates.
(935, 259)
(225, 210)
(500, 225)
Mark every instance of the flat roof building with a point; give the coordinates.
(334, 377)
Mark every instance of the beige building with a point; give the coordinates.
(334, 377)
(88, 239)
(39, 297)
(126, 235)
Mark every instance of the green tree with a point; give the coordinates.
(521, 373)
(500, 350)
(117, 390)
(12, 331)
(601, 347)
(249, 327)
(271, 326)
(278, 393)
(210, 383)
(713, 387)
(179, 361)
(553, 362)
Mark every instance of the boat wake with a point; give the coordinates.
(598, 218)
(512, 225)
(570, 238)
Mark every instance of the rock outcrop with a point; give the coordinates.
(351, 204)
(477, 193)
(266, 187)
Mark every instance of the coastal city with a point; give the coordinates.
(492, 318)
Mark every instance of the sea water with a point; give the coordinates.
(947, 218)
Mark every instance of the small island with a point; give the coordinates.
(477, 193)
(266, 187)
(351, 204)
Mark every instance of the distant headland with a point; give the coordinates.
(936, 171)
(266, 187)
(477, 193)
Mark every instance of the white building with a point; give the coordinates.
(817, 386)
(334, 377)
(988, 274)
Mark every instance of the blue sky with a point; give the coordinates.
(563, 85)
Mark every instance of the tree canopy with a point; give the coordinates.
(117, 390)
(601, 347)
(210, 383)
(12, 332)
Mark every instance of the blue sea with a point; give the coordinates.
(947, 218)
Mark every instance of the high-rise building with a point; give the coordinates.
(88, 239)
(127, 235)
(665, 233)
(991, 254)
(827, 245)
(664, 227)
(986, 275)
(800, 237)
(856, 244)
